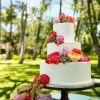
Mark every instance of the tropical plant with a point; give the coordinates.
(43, 8)
(8, 17)
(90, 17)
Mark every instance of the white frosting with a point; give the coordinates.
(68, 73)
(52, 47)
(65, 29)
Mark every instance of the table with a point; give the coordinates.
(64, 90)
(57, 95)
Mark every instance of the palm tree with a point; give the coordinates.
(8, 19)
(23, 27)
(93, 24)
(79, 21)
(43, 8)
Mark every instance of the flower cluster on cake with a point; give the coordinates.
(64, 18)
(67, 55)
(74, 55)
(53, 37)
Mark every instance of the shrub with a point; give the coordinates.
(86, 48)
(27, 56)
(93, 57)
(15, 57)
(42, 55)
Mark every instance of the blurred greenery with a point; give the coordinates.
(15, 75)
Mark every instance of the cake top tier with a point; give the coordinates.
(64, 25)
(63, 29)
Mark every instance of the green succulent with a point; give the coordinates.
(52, 39)
(64, 59)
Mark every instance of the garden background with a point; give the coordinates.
(24, 29)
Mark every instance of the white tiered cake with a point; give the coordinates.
(68, 74)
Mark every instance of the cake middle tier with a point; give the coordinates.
(52, 47)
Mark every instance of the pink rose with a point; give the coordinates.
(17, 98)
(59, 39)
(66, 50)
(86, 58)
(44, 96)
(61, 16)
(81, 59)
(56, 20)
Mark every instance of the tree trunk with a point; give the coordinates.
(41, 47)
(78, 23)
(37, 39)
(22, 52)
(7, 50)
(94, 31)
(23, 25)
(97, 47)
(99, 63)
(0, 22)
(60, 4)
(76, 32)
(10, 34)
(0, 25)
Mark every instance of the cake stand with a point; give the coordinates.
(64, 89)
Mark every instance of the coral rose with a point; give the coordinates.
(74, 57)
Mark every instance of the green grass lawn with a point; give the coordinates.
(13, 75)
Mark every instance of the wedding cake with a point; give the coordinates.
(65, 64)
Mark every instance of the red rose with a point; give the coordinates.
(51, 34)
(48, 61)
(56, 42)
(56, 53)
(56, 59)
(44, 79)
(76, 51)
(53, 58)
(48, 40)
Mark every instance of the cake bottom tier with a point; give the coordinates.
(68, 74)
